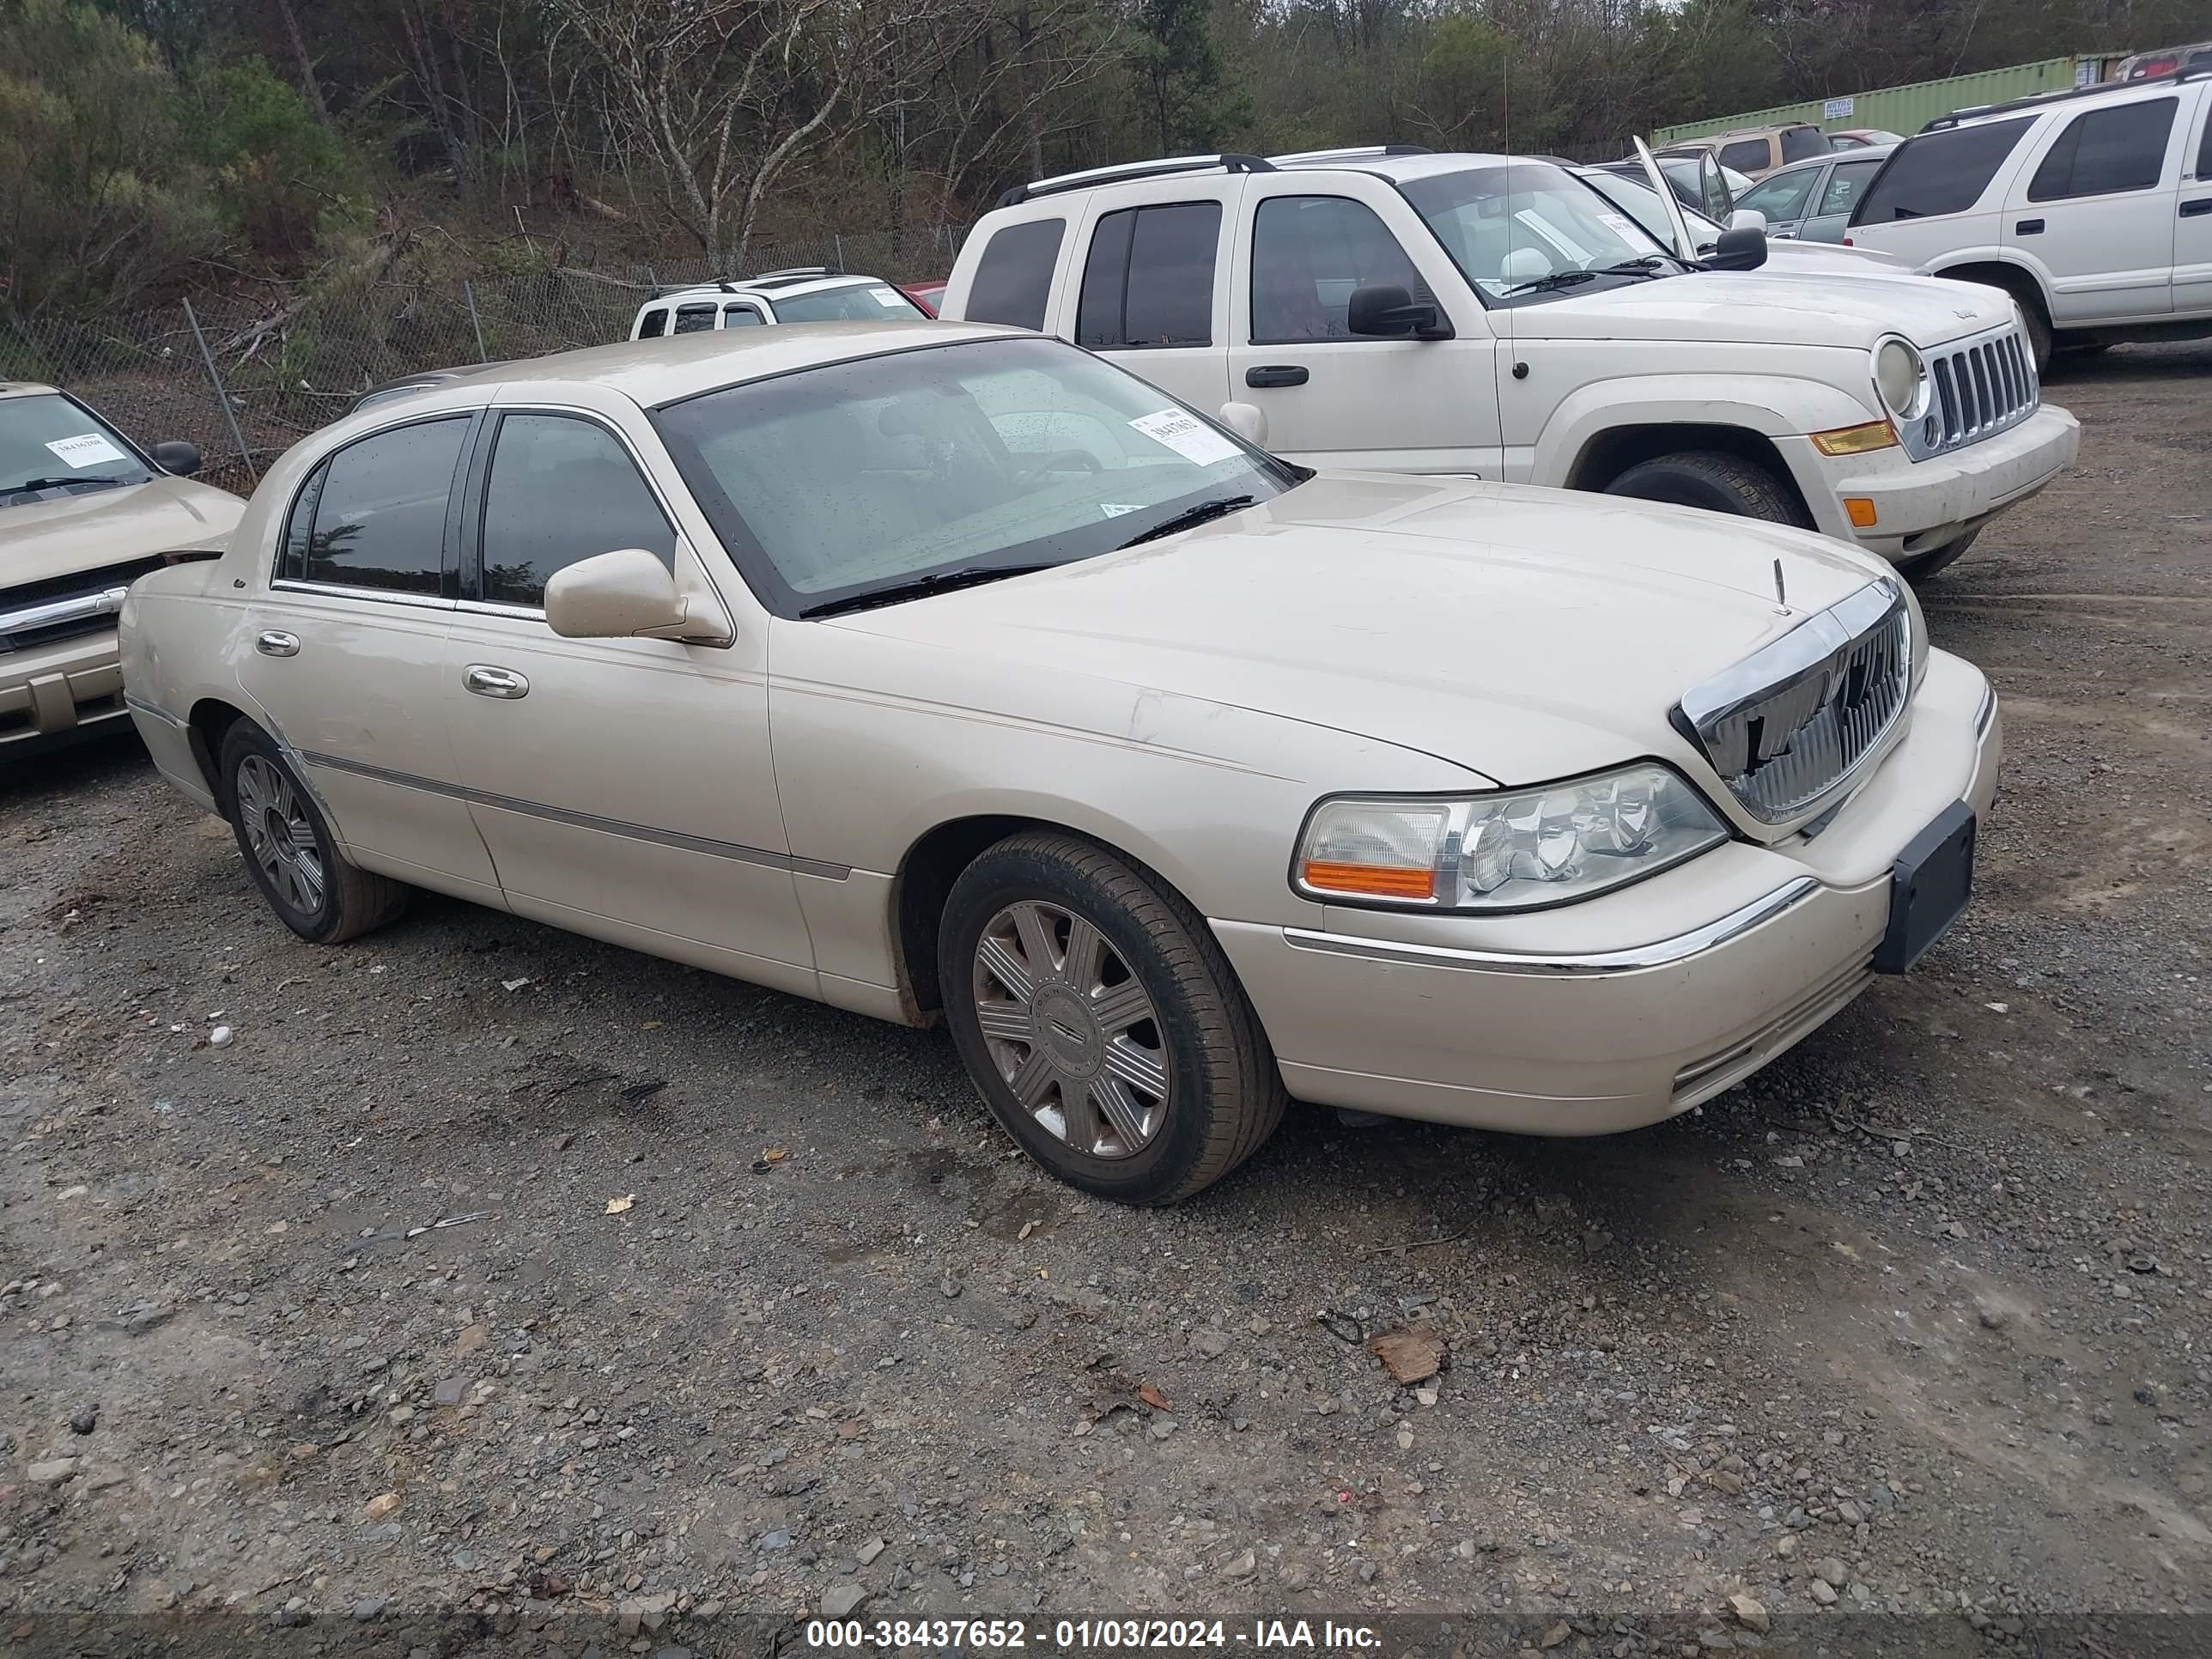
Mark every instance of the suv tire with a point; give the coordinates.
(1101, 1022)
(1921, 566)
(314, 888)
(1716, 481)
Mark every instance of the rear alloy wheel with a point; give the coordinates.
(1101, 1022)
(1716, 481)
(318, 893)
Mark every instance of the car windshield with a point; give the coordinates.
(877, 473)
(1525, 232)
(1641, 202)
(861, 302)
(48, 441)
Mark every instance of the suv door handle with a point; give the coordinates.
(486, 681)
(2197, 209)
(2028, 227)
(276, 644)
(1276, 374)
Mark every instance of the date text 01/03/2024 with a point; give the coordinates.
(1120, 1635)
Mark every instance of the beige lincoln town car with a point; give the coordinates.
(83, 511)
(944, 671)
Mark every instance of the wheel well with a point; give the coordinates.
(1609, 454)
(210, 719)
(2021, 284)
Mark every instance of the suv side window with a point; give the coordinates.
(373, 514)
(741, 316)
(1942, 172)
(2204, 148)
(1847, 182)
(560, 488)
(693, 318)
(653, 324)
(1013, 279)
(1746, 155)
(1149, 280)
(2105, 151)
(1309, 252)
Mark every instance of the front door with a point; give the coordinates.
(623, 787)
(1335, 398)
(2098, 210)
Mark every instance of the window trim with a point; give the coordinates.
(475, 489)
(1252, 276)
(2077, 127)
(1135, 211)
(448, 579)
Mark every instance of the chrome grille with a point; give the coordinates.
(1795, 718)
(1976, 388)
(82, 602)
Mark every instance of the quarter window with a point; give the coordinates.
(1013, 279)
(1309, 252)
(2106, 151)
(1942, 172)
(374, 515)
(561, 489)
(653, 324)
(1751, 155)
(740, 317)
(1149, 280)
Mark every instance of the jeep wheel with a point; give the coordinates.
(1715, 480)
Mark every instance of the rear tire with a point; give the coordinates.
(1716, 481)
(1921, 566)
(1101, 1022)
(314, 888)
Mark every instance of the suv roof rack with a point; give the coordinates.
(1228, 161)
(2041, 99)
(791, 274)
(1353, 152)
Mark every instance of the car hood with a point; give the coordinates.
(1521, 633)
(91, 531)
(1771, 306)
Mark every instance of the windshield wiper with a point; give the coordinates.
(1552, 279)
(1644, 265)
(936, 582)
(1188, 518)
(51, 483)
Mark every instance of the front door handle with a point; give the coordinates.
(277, 644)
(486, 681)
(1276, 374)
(2028, 227)
(2197, 209)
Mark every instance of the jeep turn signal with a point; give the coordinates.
(1856, 440)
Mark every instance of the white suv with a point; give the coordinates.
(2092, 208)
(1495, 316)
(810, 294)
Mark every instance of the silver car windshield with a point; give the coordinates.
(1520, 231)
(48, 441)
(875, 473)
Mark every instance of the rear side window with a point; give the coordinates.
(1798, 142)
(694, 320)
(1013, 279)
(1942, 172)
(561, 489)
(1149, 280)
(2104, 150)
(653, 324)
(374, 515)
(1847, 182)
(1747, 156)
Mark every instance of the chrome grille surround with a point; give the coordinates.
(1975, 388)
(1793, 721)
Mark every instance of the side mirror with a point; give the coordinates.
(1386, 310)
(1738, 250)
(1248, 420)
(176, 457)
(1747, 219)
(619, 596)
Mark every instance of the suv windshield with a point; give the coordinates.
(1524, 223)
(958, 459)
(48, 441)
(863, 302)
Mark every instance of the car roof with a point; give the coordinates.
(771, 287)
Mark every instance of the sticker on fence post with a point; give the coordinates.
(88, 449)
(1188, 435)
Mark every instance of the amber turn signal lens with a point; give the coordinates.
(1856, 440)
(1861, 510)
(1369, 880)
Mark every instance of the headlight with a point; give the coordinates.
(1900, 376)
(1516, 850)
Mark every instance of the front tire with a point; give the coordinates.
(1714, 480)
(1101, 1022)
(314, 888)
(1921, 566)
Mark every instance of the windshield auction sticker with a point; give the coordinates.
(1188, 435)
(90, 449)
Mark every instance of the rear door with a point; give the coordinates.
(2192, 219)
(1151, 287)
(2096, 208)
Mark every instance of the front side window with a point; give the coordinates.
(862, 302)
(560, 490)
(694, 320)
(1942, 172)
(1781, 196)
(1149, 280)
(863, 476)
(374, 515)
(1525, 232)
(1309, 253)
(1846, 183)
(1013, 280)
(2106, 151)
(741, 317)
(1747, 156)
(48, 441)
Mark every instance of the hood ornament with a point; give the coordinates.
(1781, 593)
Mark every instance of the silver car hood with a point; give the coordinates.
(1523, 634)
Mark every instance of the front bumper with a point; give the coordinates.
(1920, 505)
(51, 695)
(1635, 1005)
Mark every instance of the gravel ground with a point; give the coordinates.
(481, 1267)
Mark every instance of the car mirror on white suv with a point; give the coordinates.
(1385, 309)
(623, 595)
(1740, 248)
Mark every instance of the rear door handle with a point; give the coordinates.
(487, 680)
(1276, 374)
(2197, 209)
(277, 644)
(2028, 227)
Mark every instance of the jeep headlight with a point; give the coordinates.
(1518, 849)
(1901, 375)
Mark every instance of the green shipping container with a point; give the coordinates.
(1906, 109)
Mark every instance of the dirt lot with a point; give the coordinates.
(742, 1304)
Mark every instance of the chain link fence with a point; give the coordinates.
(245, 378)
